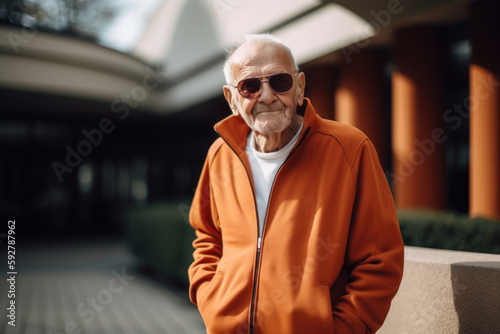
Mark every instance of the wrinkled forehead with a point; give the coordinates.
(258, 58)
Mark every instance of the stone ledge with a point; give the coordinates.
(446, 292)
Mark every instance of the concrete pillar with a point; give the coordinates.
(485, 110)
(321, 81)
(417, 125)
(360, 99)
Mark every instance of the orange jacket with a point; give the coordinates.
(331, 255)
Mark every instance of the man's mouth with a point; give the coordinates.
(268, 111)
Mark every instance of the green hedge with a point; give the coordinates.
(161, 236)
(448, 230)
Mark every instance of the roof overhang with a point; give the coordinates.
(178, 61)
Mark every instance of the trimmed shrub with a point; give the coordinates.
(448, 230)
(161, 236)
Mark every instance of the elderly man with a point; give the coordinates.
(295, 223)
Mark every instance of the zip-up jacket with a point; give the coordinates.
(330, 259)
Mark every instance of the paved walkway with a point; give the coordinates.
(96, 288)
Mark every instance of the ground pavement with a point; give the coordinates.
(90, 288)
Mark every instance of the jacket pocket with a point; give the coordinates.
(208, 295)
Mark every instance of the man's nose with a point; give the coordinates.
(266, 93)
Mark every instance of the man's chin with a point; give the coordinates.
(270, 127)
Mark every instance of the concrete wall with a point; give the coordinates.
(446, 292)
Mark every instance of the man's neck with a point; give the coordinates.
(276, 141)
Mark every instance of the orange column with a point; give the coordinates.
(320, 86)
(485, 110)
(360, 99)
(417, 126)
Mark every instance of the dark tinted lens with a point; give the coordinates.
(249, 87)
(281, 83)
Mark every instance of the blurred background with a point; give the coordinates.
(107, 111)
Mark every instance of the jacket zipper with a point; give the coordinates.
(257, 260)
(259, 239)
(254, 290)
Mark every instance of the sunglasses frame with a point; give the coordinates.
(261, 81)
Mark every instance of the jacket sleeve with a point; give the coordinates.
(208, 243)
(375, 251)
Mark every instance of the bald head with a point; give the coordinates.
(267, 112)
(257, 50)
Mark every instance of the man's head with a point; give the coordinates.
(262, 56)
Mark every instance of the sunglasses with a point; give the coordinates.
(250, 88)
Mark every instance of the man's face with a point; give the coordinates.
(268, 112)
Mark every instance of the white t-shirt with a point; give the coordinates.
(264, 168)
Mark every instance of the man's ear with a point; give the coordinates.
(228, 94)
(301, 86)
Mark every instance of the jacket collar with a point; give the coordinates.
(234, 130)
